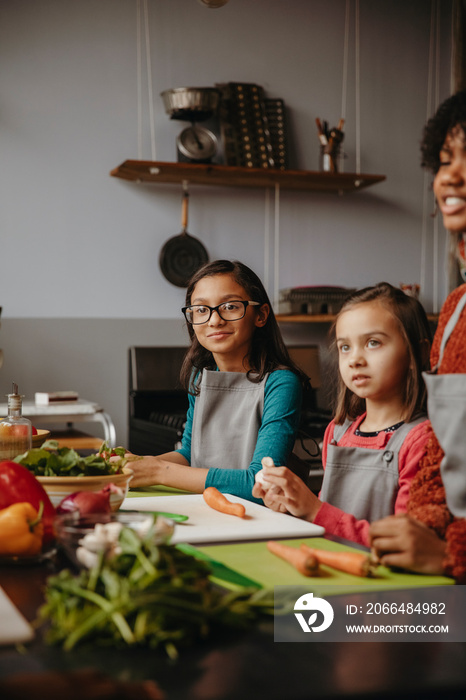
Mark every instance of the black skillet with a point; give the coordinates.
(182, 255)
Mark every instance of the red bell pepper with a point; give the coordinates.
(18, 485)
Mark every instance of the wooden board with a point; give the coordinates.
(207, 525)
(14, 628)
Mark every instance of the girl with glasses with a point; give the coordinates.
(245, 393)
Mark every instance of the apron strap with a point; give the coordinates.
(398, 437)
(340, 430)
(452, 321)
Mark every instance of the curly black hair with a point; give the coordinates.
(450, 115)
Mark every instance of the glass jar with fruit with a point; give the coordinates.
(15, 429)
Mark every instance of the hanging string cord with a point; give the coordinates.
(436, 102)
(344, 87)
(149, 80)
(427, 198)
(455, 22)
(358, 91)
(139, 75)
(267, 240)
(277, 246)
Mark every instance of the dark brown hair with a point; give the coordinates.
(450, 117)
(414, 327)
(268, 351)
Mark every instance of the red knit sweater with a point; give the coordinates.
(427, 501)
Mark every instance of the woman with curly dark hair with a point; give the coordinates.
(431, 538)
(443, 152)
(245, 393)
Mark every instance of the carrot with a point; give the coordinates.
(305, 563)
(356, 563)
(218, 501)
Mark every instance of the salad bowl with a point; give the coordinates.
(59, 487)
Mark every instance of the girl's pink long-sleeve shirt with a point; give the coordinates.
(336, 521)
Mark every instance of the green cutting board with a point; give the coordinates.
(254, 560)
(154, 491)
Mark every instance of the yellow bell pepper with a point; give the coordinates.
(21, 530)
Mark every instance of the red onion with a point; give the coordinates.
(88, 502)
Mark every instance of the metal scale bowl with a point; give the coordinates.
(195, 144)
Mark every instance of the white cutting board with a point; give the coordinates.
(208, 525)
(14, 628)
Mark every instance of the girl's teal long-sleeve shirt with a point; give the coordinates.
(276, 436)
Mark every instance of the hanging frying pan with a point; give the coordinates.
(182, 255)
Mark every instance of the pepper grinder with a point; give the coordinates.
(15, 430)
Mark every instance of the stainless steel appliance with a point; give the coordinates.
(157, 403)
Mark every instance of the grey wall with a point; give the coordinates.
(79, 276)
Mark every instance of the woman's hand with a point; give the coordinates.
(287, 494)
(403, 542)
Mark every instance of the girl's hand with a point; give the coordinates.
(402, 541)
(289, 494)
(265, 491)
(169, 469)
(146, 471)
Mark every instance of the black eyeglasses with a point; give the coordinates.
(228, 311)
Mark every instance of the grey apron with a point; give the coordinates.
(227, 417)
(446, 406)
(364, 481)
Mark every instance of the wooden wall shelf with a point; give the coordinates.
(156, 172)
(305, 318)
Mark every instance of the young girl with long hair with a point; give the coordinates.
(372, 448)
(245, 393)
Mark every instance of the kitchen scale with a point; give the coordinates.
(195, 143)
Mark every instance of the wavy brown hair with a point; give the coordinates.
(268, 352)
(415, 329)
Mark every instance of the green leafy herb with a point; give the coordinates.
(149, 595)
(51, 460)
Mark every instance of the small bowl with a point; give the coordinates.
(70, 528)
(58, 487)
(39, 439)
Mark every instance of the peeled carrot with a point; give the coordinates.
(305, 563)
(218, 501)
(356, 563)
